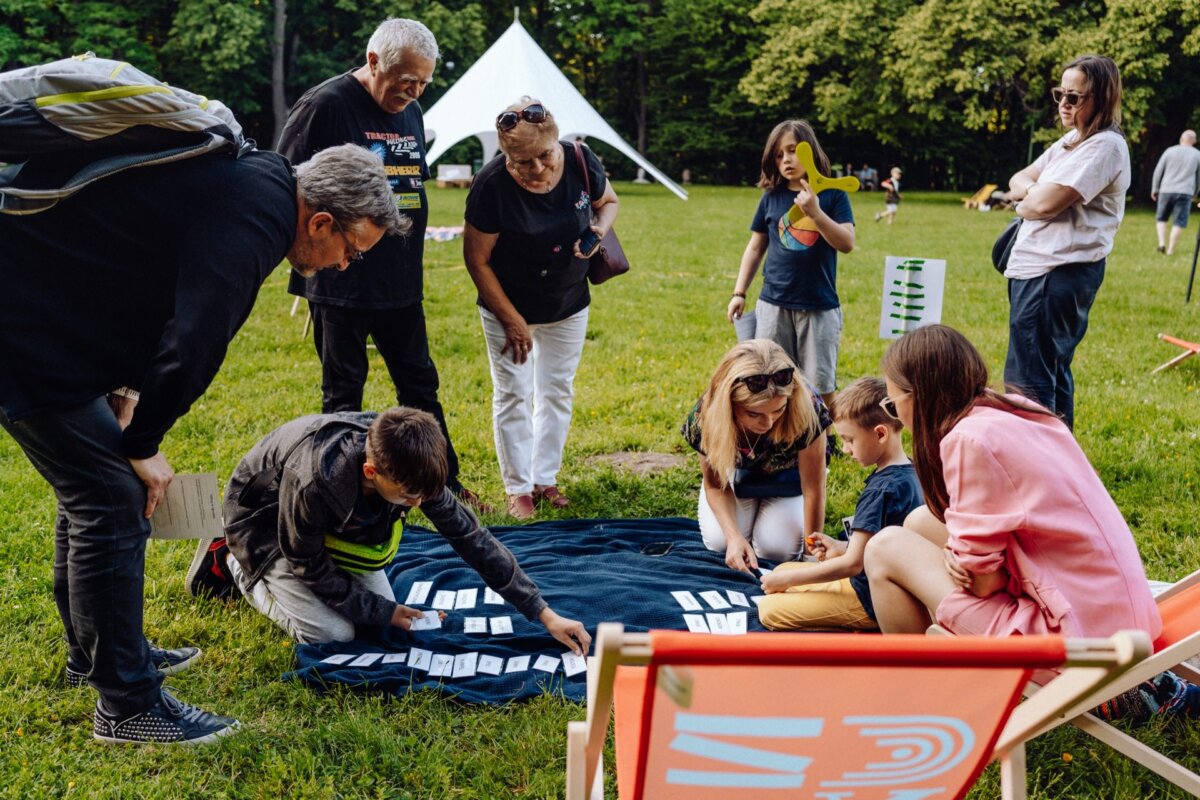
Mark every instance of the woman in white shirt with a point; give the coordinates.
(1072, 199)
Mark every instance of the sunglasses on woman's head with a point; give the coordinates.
(533, 114)
(756, 383)
(1072, 99)
(889, 407)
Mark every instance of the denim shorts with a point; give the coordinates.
(1172, 203)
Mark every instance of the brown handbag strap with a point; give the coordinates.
(587, 183)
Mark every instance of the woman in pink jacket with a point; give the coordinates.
(1018, 535)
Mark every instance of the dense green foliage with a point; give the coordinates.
(654, 336)
(954, 90)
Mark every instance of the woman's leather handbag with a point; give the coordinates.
(1004, 245)
(609, 261)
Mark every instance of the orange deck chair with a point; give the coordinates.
(826, 716)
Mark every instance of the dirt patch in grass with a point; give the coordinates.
(640, 463)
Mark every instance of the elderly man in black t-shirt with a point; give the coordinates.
(140, 282)
(376, 106)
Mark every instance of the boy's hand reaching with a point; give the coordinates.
(823, 546)
(567, 631)
(403, 616)
(777, 581)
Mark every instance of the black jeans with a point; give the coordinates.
(340, 335)
(99, 548)
(1047, 319)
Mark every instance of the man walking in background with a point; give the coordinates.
(1176, 181)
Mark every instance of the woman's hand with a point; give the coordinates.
(737, 305)
(567, 631)
(600, 233)
(959, 575)
(806, 200)
(517, 338)
(739, 555)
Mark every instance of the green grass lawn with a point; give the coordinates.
(654, 336)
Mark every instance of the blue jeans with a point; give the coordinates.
(99, 548)
(1047, 319)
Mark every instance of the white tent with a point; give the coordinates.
(512, 67)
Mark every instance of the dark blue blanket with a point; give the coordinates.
(590, 570)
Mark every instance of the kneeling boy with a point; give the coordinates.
(314, 513)
(835, 592)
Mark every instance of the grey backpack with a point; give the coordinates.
(66, 124)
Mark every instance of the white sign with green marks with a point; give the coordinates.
(912, 294)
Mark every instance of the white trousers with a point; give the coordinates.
(281, 597)
(532, 402)
(774, 526)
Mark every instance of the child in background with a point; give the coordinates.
(798, 307)
(891, 201)
(835, 592)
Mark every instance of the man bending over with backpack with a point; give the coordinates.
(138, 283)
(315, 511)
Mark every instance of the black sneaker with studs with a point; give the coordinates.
(167, 662)
(208, 576)
(169, 721)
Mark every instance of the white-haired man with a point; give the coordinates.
(376, 106)
(133, 285)
(1176, 182)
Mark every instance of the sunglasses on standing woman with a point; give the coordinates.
(534, 114)
(1073, 99)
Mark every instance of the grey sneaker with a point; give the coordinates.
(168, 662)
(169, 721)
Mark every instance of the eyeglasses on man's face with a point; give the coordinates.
(1073, 99)
(352, 252)
(534, 114)
(757, 383)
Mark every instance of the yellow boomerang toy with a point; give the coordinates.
(816, 180)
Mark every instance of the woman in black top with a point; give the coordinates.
(526, 212)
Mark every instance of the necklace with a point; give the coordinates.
(752, 449)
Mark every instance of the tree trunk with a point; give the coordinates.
(279, 107)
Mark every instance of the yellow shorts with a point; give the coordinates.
(815, 605)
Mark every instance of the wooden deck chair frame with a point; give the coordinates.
(1087, 664)
(1180, 641)
(975, 200)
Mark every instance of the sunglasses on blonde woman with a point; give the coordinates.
(756, 383)
(534, 114)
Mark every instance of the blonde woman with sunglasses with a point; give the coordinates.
(527, 213)
(760, 431)
(1072, 199)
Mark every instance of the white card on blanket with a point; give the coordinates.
(490, 598)
(573, 664)
(442, 666)
(765, 571)
(715, 600)
(546, 663)
(428, 621)
(475, 625)
(465, 598)
(688, 602)
(490, 665)
(758, 598)
(365, 660)
(717, 623)
(444, 600)
(419, 593)
(340, 658)
(419, 659)
(737, 598)
(696, 623)
(517, 664)
(501, 625)
(737, 622)
(464, 665)
(395, 658)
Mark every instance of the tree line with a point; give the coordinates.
(954, 91)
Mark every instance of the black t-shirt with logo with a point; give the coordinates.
(341, 111)
(534, 255)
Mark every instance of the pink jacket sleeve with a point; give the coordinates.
(985, 503)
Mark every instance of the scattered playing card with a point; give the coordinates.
(490, 665)
(428, 621)
(419, 659)
(573, 664)
(475, 625)
(465, 598)
(546, 663)
(442, 666)
(737, 622)
(490, 598)
(365, 660)
(758, 598)
(501, 625)
(737, 598)
(765, 571)
(419, 593)
(395, 658)
(688, 602)
(517, 664)
(340, 658)
(717, 623)
(716, 600)
(444, 600)
(696, 623)
(464, 665)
